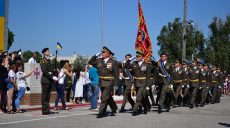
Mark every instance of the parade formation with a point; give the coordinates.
(148, 84)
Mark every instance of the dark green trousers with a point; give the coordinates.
(165, 90)
(194, 89)
(127, 94)
(204, 93)
(45, 98)
(214, 93)
(107, 99)
(139, 99)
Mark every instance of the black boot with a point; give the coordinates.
(159, 109)
(100, 115)
(135, 113)
(113, 113)
(191, 106)
(122, 110)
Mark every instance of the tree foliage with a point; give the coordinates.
(218, 43)
(80, 61)
(28, 54)
(10, 39)
(170, 40)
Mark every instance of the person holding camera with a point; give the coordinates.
(22, 86)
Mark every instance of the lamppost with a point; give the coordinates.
(184, 31)
(102, 24)
(185, 22)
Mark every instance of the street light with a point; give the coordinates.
(184, 37)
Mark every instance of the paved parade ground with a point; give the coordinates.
(210, 116)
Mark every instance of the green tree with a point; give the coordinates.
(80, 61)
(218, 43)
(170, 40)
(28, 54)
(10, 39)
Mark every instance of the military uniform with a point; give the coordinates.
(152, 82)
(164, 82)
(185, 86)
(46, 80)
(215, 79)
(194, 78)
(177, 80)
(127, 82)
(108, 77)
(141, 73)
(204, 84)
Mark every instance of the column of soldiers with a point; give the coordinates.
(177, 84)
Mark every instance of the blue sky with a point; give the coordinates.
(76, 23)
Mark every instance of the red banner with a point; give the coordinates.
(143, 42)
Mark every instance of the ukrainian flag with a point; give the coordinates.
(59, 46)
(4, 7)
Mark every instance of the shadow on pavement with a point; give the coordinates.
(224, 124)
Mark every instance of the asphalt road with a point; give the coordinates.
(210, 116)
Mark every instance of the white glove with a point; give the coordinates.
(147, 88)
(188, 86)
(55, 78)
(98, 54)
(200, 87)
(182, 86)
(171, 86)
(132, 58)
(219, 87)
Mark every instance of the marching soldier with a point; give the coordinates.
(185, 83)
(141, 73)
(47, 80)
(164, 80)
(194, 78)
(128, 81)
(152, 82)
(177, 79)
(221, 84)
(109, 76)
(214, 80)
(204, 83)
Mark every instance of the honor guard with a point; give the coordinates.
(47, 80)
(214, 81)
(164, 81)
(141, 74)
(108, 77)
(204, 83)
(127, 82)
(177, 80)
(185, 85)
(194, 78)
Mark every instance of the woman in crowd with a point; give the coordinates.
(11, 85)
(79, 84)
(94, 78)
(21, 83)
(66, 70)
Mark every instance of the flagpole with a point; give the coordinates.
(102, 24)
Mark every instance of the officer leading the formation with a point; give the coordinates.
(47, 80)
(109, 76)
